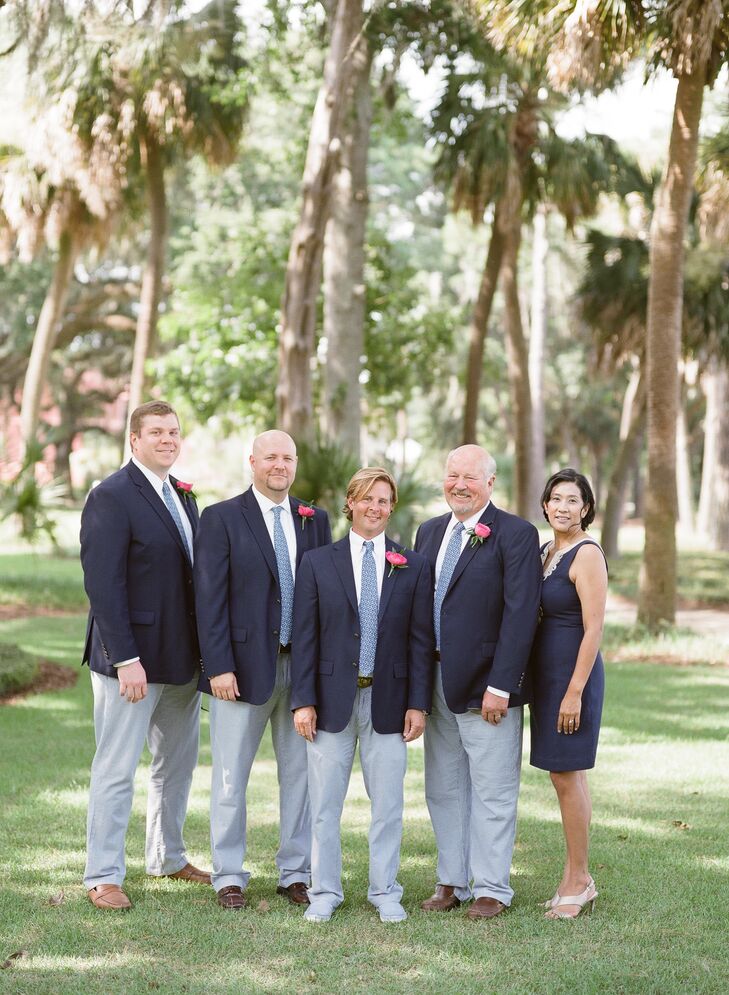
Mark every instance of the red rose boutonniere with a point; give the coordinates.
(396, 560)
(184, 489)
(305, 512)
(479, 534)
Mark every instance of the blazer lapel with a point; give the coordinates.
(388, 581)
(189, 505)
(436, 538)
(471, 547)
(343, 564)
(156, 504)
(301, 544)
(253, 516)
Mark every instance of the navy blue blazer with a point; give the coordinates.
(326, 640)
(490, 609)
(138, 579)
(238, 593)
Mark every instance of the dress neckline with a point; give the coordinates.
(559, 554)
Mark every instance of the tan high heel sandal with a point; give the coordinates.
(585, 901)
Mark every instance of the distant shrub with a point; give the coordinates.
(18, 669)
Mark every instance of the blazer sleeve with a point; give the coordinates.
(106, 536)
(421, 652)
(522, 578)
(305, 637)
(212, 563)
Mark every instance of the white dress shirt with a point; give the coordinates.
(356, 548)
(469, 523)
(287, 522)
(157, 482)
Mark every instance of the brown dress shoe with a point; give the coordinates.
(485, 908)
(190, 873)
(296, 893)
(232, 897)
(443, 900)
(109, 896)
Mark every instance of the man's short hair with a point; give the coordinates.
(150, 408)
(362, 483)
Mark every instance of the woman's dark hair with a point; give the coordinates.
(570, 476)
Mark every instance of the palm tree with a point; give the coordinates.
(584, 41)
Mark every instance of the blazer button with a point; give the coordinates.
(354, 663)
(275, 632)
(278, 601)
(356, 635)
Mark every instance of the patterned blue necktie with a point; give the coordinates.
(452, 553)
(172, 508)
(369, 604)
(285, 577)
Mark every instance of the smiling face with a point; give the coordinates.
(371, 512)
(565, 509)
(273, 462)
(157, 444)
(468, 483)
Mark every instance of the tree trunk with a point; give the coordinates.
(657, 600)
(525, 503)
(684, 486)
(152, 279)
(344, 258)
(631, 438)
(44, 339)
(714, 501)
(303, 269)
(479, 326)
(537, 338)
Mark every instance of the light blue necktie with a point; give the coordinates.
(172, 508)
(452, 553)
(369, 603)
(285, 577)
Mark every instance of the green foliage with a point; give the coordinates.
(413, 494)
(322, 474)
(17, 668)
(24, 499)
(42, 582)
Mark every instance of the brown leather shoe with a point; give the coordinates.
(485, 908)
(109, 896)
(443, 900)
(296, 893)
(232, 897)
(190, 873)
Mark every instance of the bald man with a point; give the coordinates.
(488, 575)
(247, 551)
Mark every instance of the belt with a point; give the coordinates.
(437, 656)
(364, 682)
(284, 649)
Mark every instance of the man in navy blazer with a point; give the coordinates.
(247, 555)
(137, 531)
(362, 664)
(487, 573)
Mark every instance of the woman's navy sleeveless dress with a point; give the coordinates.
(554, 655)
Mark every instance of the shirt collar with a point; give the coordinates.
(266, 504)
(469, 522)
(356, 541)
(151, 476)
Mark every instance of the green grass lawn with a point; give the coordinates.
(660, 858)
(42, 582)
(703, 578)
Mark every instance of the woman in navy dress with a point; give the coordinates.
(568, 676)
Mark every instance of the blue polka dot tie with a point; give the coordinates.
(172, 508)
(452, 553)
(369, 604)
(285, 577)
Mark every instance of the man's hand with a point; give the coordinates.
(494, 708)
(132, 682)
(224, 686)
(305, 722)
(414, 724)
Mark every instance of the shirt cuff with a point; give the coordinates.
(499, 694)
(126, 663)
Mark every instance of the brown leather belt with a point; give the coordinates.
(284, 649)
(437, 656)
(364, 682)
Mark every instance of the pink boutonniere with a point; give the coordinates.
(396, 560)
(305, 512)
(184, 489)
(479, 533)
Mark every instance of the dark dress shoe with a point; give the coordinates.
(190, 873)
(232, 897)
(443, 900)
(485, 908)
(296, 893)
(109, 896)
